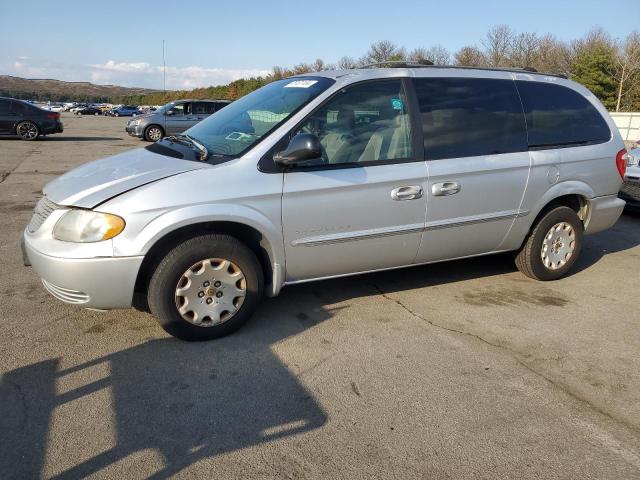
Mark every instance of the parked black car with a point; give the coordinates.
(25, 120)
(89, 111)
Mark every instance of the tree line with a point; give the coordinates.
(607, 66)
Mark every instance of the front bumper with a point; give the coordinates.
(135, 131)
(605, 212)
(101, 282)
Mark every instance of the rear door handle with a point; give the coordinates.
(408, 192)
(445, 188)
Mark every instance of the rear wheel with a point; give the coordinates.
(153, 133)
(27, 130)
(205, 287)
(553, 246)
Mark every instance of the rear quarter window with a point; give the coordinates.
(559, 116)
(467, 117)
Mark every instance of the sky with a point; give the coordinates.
(211, 42)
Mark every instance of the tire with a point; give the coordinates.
(27, 130)
(538, 257)
(189, 258)
(96, 114)
(116, 114)
(153, 133)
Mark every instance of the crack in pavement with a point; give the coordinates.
(515, 355)
(5, 175)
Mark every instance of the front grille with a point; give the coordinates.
(43, 209)
(631, 190)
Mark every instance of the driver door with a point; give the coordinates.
(180, 119)
(361, 206)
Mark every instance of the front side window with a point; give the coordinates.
(467, 117)
(240, 125)
(177, 110)
(364, 123)
(558, 116)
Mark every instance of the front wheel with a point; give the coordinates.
(205, 287)
(553, 246)
(153, 133)
(27, 130)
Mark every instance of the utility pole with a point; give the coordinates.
(164, 72)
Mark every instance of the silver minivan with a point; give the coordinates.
(330, 174)
(173, 118)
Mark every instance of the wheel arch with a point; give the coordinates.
(251, 236)
(573, 194)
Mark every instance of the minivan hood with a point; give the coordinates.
(95, 182)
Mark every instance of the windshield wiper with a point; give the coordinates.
(190, 141)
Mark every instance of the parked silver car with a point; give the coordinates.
(332, 174)
(630, 190)
(173, 118)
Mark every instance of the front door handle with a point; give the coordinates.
(445, 188)
(409, 192)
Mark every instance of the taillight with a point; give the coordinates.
(621, 162)
(53, 115)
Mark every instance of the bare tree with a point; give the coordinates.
(525, 48)
(469, 57)
(383, 51)
(497, 46)
(346, 63)
(302, 68)
(627, 65)
(439, 55)
(418, 55)
(553, 56)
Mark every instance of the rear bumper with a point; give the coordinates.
(605, 212)
(52, 128)
(102, 283)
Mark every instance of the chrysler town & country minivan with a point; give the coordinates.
(330, 174)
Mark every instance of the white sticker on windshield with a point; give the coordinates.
(301, 84)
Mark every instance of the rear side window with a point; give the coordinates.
(203, 108)
(21, 108)
(559, 116)
(466, 117)
(5, 106)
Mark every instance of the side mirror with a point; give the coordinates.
(169, 112)
(304, 147)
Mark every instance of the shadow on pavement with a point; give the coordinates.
(79, 139)
(187, 401)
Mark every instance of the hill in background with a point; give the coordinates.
(59, 91)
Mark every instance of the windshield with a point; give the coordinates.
(240, 125)
(166, 107)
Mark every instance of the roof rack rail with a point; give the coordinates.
(399, 64)
(403, 64)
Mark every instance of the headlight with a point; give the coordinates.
(133, 123)
(87, 226)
